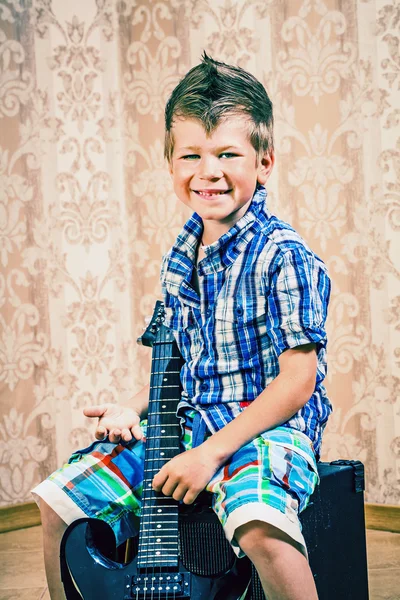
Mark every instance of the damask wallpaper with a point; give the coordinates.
(87, 208)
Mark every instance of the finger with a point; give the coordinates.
(115, 436)
(159, 480)
(94, 411)
(179, 492)
(137, 432)
(169, 487)
(190, 497)
(100, 433)
(126, 435)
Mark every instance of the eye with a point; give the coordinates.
(228, 155)
(190, 156)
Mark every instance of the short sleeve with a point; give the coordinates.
(297, 301)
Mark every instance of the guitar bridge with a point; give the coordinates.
(165, 585)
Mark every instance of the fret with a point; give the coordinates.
(160, 448)
(164, 387)
(154, 514)
(158, 544)
(163, 448)
(168, 511)
(155, 558)
(171, 505)
(164, 437)
(164, 537)
(160, 459)
(161, 536)
(159, 506)
(160, 550)
(166, 517)
(153, 470)
(162, 425)
(156, 561)
(171, 547)
(164, 400)
(148, 531)
(165, 372)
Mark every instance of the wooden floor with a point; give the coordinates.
(22, 573)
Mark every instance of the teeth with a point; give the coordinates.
(210, 194)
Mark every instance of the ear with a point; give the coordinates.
(265, 166)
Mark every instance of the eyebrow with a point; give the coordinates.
(197, 148)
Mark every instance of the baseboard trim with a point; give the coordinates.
(385, 517)
(19, 516)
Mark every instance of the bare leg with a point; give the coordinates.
(53, 530)
(281, 565)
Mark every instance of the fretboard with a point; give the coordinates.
(158, 536)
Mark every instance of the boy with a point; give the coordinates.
(247, 301)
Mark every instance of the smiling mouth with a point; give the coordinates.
(211, 193)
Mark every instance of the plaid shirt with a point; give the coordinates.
(262, 291)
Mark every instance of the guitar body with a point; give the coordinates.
(167, 565)
(97, 576)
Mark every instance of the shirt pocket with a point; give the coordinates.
(182, 321)
(240, 327)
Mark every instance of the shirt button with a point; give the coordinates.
(239, 311)
(208, 312)
(203, 387)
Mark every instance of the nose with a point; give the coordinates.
(210, 168)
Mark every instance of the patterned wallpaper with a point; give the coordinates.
(87, 208)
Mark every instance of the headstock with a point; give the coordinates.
(149, 336)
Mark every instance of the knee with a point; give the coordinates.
(51, 521)
(258, 539)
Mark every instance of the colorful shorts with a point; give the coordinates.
(269, 479)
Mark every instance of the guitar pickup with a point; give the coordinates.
(165, 585)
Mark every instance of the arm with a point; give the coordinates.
(186, 475)
(282, 399)
(118, 421)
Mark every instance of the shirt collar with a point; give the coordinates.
(219, 255)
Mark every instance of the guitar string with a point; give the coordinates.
(167, 350)
(176, 515)
(165, 377)
(164, 369)
(162, 377)
(150, 445)
(159, 419)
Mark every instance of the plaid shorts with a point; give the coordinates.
(269, 479)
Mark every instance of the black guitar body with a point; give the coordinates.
(207, 569)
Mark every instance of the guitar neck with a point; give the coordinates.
(158, 535)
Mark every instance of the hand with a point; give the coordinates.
(186, 475)
(118, 422)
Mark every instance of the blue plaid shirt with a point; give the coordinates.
(262, 291)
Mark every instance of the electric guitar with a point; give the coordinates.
(165, 566)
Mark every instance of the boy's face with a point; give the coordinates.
(216, 175)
